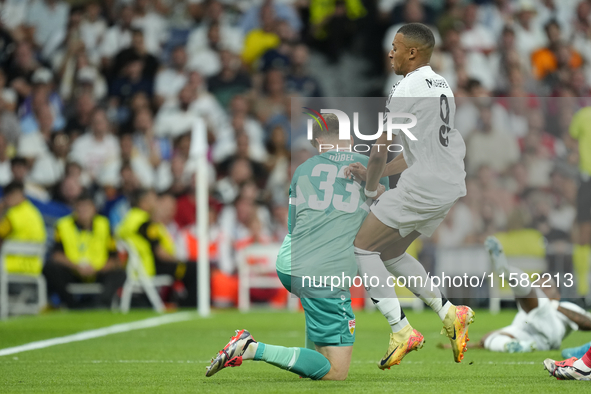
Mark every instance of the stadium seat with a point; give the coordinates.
(139, 282)
(18, 304)
(256, 270)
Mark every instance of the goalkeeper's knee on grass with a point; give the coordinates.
(306, 363)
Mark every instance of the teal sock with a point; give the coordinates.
(304, 362)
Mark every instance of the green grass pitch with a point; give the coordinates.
(172, 358)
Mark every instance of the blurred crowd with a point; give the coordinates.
(101, 96)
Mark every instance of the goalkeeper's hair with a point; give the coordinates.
(419, 33)
(329, 131)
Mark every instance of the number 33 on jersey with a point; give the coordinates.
(329, 209)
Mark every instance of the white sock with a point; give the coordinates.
(579, 364)
(250, 351)
(418, 282)
(390, 308)
(497, 342)
(384, 298)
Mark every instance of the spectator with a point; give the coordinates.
(528, 35)
(243, 152)
(92, 31)
(260, 40)
(176, 117)
(230, 81)
(80, 120)
(84, 252)
(118, 37)
(20, 221)
(496, 15)
(228, 187)
(21, 69)
(171, 80)
(153, 242)
(490, 146)
(230, 37)
(580, 131)
(97, 147)
(299, 80)
(46, 23)
(152, 24)
(42, 95)
(545, 61)
(206, 60)
(475, 36)
(136, 51)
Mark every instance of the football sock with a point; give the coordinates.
(384, 298)
(518, 289)
(392, 311)
(497, 342)
(584, 363)
(407, 266)
(304, 362)
(581, 263)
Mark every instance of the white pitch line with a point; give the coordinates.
(100, 332)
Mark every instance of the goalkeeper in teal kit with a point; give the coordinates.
(316, 262)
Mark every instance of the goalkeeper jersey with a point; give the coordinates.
(326, 211)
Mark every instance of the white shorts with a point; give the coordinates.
(541, 325)
(397, 209)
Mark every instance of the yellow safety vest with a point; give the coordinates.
(91, 247)
(26, 225)
(128, 231)
(523, 242)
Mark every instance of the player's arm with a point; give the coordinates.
(581, 320)
(376, 165)
(393, 167)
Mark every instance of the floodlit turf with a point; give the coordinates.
(173, 357)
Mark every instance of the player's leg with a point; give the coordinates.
(524, 294)
(456, 319)
(576, 352)
(371, 238)
(304, 362)
(571, 369)
(401, 264)
(582, 248)
(507, 340)
(370, 264)
(375, 236)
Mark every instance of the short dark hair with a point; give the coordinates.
(86, 195)
(330, 130)
(550, 23)
(418, 32)
(13, 187)
(18, 160)
(138, 195)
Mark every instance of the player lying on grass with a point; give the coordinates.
(542, 320)
(326, 210)
(432, 180)
(571, 369)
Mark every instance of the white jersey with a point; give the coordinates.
(435, 172)
(544, 325)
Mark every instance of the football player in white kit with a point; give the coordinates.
(542, 320)
(432, 180)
